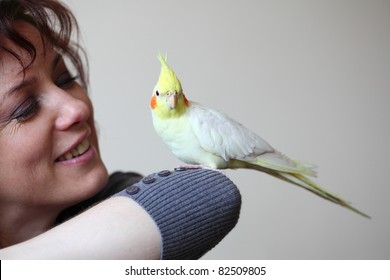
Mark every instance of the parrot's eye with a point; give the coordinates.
(157, 93)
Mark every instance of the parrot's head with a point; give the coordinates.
(168, 99)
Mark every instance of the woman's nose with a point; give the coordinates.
(72, 110)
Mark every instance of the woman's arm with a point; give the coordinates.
(117, 228)
(179, 214)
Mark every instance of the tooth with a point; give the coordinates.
(68, 156)
(83, 147)
(74, 152)
(80, 148)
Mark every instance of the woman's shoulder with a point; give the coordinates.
(117, 181)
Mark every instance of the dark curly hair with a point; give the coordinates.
(54, 21)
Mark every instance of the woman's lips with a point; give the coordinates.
(75, 152)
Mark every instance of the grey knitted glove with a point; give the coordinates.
(193, 208)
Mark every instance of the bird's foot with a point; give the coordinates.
(197, 166)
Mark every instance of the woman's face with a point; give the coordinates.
(49, 153)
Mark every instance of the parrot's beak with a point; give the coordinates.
(172, 100)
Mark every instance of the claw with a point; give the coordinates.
(196, 166)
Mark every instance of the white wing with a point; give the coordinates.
(220, 135)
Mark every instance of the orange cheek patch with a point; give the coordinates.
(185, 100)
(153, 102)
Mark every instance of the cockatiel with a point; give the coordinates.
(198, 135)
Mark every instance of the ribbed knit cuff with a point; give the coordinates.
(193, 208)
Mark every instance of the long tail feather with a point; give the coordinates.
(328, 195)
(300, 181)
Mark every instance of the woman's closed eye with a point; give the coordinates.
(65, 80)
(25, 110)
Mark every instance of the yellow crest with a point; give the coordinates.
(167, 82)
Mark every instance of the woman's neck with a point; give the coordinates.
(18, 224)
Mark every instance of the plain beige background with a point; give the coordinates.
(310, 77)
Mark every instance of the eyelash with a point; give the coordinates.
(65, 80)
(25, 111)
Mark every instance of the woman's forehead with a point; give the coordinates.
(14, 69)
(34, 37)
(27, 32)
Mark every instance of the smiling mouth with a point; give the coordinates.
(76, 152)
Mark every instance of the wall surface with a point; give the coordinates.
(310, 77)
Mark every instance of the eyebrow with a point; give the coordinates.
(55, 62)
(27, 82)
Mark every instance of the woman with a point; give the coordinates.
(50, 167)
